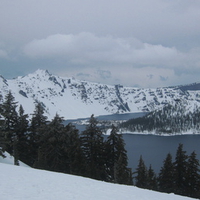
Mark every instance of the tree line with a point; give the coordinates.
(170, 119)
(51, 145)
(181, 177)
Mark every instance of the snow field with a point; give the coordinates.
(22, 183)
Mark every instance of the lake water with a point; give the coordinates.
(112, 117)
(155, 148)
(152, 148)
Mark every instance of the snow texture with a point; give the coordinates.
(22, 183)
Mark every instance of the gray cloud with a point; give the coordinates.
(111, 41)
(86, 48)
(151, 21)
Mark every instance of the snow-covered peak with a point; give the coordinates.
(73, 99)
(42, 72)
(38, 74)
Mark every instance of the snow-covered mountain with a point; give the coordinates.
(73, 99)
(26, 183)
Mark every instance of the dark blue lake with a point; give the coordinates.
(155, 148)
(152, 148)
(112, 117)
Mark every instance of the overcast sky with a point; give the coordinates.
(143, 43)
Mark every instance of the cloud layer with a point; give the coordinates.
(111, 59)
(113, 41)
(87, 48)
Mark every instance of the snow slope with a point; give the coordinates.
(73, 99)
(10, 160)
(22, 183)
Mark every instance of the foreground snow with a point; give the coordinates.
(22, 183)
(10, 160)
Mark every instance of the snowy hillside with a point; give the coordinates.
(74, 99)
(21, 183)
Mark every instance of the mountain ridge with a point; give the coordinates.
(72, 98)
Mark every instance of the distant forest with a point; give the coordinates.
(53, 146)
(170, 119)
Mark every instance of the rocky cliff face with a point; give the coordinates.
(73, 99)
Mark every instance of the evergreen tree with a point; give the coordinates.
(37, 126)
(141, 174)
(180, 167)
(21, 140)
(193, 177)
(9, 123)
(152, 180)
(2, 137)
(2, 142)
(166, 175)
(59, 148)
(76, 163)
(123, 174)
(94, 150)
(117, 159)
(52, 141)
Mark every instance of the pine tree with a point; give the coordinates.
(123, 174)
(113, 153)
(93, 150)
(117, 160)
(141, 174)
(51, 155)
(76, 164)
(21, 140)
(180, 166)
(166, 175)
(9, 123)
(37, 126)
(2, 142)
(2, 139)
(193, 177)
(152, 180)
